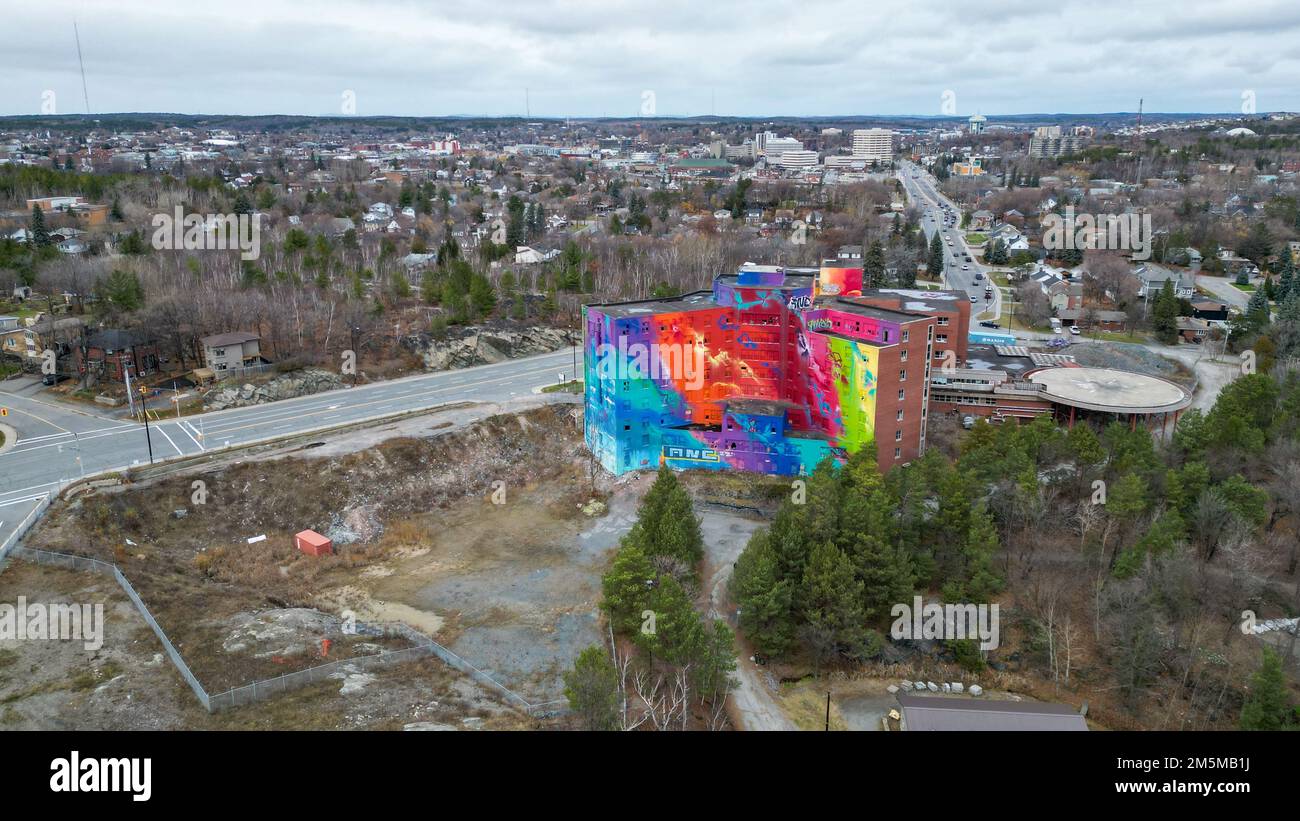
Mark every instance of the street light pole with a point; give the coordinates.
(355, 356)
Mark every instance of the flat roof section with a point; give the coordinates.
(924, 713)
(1111, 391)
(850, 305)
(694, 301)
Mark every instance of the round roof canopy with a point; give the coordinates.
(1111, 391)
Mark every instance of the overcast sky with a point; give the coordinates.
(666, 57)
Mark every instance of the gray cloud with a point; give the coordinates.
(596, 57)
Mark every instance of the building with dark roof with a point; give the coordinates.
(108, 353)
(928, 713)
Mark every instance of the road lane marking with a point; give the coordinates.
(196, 442)
(169, 440)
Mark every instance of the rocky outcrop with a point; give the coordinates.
(287, 386)
(484, 346)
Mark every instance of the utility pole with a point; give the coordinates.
(355, 356)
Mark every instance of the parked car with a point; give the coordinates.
(53, 378)
(988, 323)
(1074, 329)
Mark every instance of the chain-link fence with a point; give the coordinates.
(423, 647)
(96, 566)
(23, 526)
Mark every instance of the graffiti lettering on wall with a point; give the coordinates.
(690, 454)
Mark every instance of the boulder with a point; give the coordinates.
(285, 386)
(487, 345)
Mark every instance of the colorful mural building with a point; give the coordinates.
(772, 370)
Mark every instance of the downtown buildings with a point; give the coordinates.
(772, 370)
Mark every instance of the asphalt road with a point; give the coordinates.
(58, 442)
(923, 190)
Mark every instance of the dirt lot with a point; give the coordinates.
(128, 684)
(473, 535)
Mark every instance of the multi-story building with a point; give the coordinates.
(797, 158)
(767, 144)
(1048, 141)
(773, 370)
(876, 145)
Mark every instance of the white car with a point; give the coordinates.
(1056, 329)
(1074, 329)
(965, 267)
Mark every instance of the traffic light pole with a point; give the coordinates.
(144, 412)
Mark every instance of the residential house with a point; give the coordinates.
(1086, 318)
(231, 351)
(1191, 329)
(1054, 287)
(526, 255)
(1210, 310)
(1151, 278)
(109, 353)
(981, 220)
(1010, 236)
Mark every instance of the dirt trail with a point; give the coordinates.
(753, 706)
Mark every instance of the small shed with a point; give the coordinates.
(312, 543)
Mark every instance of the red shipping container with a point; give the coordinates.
(312, 543)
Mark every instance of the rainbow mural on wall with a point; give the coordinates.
(752, 375)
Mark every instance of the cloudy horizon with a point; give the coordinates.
(671, 58)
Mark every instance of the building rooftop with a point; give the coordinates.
(232, 338)
(919, 299)
(1112, 391)
(988, 357)
(924, 713)
(851, 305)
(694, 301)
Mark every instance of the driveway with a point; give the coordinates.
(1224, 290)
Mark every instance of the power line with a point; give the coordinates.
(77, 35)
